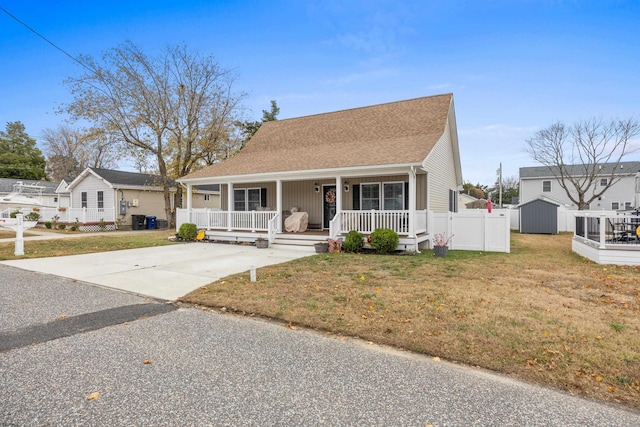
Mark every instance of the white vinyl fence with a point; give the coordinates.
(475, 230)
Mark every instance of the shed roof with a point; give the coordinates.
(402, 132)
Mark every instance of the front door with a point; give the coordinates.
(329, 204)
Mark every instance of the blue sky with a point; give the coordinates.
(513, 66)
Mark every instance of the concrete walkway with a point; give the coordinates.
(165, 272)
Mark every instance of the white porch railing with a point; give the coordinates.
(367, 221)
(82, 215)
(224, 220)
(273, 228)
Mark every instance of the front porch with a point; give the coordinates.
(608, 239)
(238, 226)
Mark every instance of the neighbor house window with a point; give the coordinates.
(393, 196)
(246, 199)
(206, 198)
(100, 199)
(83, 196)
(546, 186)
(615, 206)
(604, 182)
(627, 205)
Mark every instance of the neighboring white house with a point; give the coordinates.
(118, 195)
(538, 182)
(41, 193)
(387, 165)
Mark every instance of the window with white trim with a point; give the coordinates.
(391, 199)
(246, 199)
(83, 198)
(604, 182)
(546, 186)
(100, 199)
(615, 206)
(370, 196)
(393, 196)
(627, 205)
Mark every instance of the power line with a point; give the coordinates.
(46, 39)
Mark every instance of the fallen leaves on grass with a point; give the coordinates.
(93, 396)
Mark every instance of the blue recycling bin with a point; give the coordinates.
(151, 223)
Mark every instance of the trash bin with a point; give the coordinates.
(151, 223)
(162, 223)
(137, 222)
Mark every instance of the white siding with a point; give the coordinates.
(621, 192)
(91, 185)
(442, 174)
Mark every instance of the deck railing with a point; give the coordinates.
(604, 230)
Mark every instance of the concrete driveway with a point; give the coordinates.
(165, 272)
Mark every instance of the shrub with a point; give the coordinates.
(61, 226)
(353, 242)
(102, 225)
(47, 224)
(73, 228)
(188, 231)
(13, 214)
(384, 240)
(32, 216)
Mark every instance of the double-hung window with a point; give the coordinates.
(83, 197)
(546, 186)
(391, 199)
(100, 199)
(246, 199)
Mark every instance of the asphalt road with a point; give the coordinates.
(146, 363)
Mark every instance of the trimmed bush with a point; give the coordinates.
(188, 231)
(353, 242)
(47, 224)
(384, 240)
(61, 226)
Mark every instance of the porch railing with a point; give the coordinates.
(69, 215)
(224, 220)
(273, 228)
(604, 230)
(367, 221)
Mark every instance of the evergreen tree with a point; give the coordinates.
(20, 158)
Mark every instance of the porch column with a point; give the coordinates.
(413, 194)
(189, 201)
(229, 205)
(279, 204)
(338, 195)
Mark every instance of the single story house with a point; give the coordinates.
(117, 196)
(317, 177)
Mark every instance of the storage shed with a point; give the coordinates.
(539, 217)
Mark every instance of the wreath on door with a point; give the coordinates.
(330, 196)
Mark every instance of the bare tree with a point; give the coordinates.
(575, 155)
(69, 151)
(166, 107)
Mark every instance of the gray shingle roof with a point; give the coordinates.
(132, 179)
(628, 168)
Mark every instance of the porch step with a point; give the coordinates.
(297, 242)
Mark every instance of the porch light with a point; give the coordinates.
(316, 187)
(346, 187)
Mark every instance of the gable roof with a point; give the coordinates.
(395, 133)
(624, 168)
(122, 178)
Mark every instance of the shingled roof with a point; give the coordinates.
(402, 132)
(623, 168)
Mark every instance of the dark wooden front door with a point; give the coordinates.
(329, 204)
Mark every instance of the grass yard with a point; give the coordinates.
(85, 245)
(541, 313)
